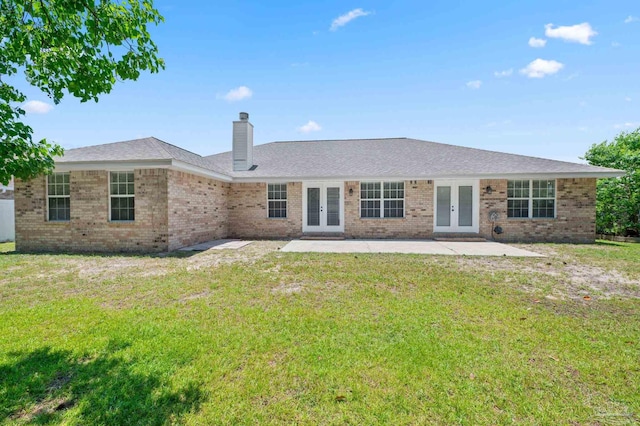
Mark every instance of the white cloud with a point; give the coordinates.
(343, 20)
(37, 107)
(583, 129)
(615, 44)
(311, 126)
(631, 19)
(628, 99)
(580, 33)
(541, 67)
(626, 125)
(505, 73)
(238, 94)
(475, 84)
(537, 42)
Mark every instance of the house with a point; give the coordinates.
(148, 195)
(7, 222)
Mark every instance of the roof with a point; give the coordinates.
(391, 158)
(137, 150)
(340, 159)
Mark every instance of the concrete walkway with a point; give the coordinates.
(486, 248)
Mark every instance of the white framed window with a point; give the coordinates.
(531, 198)
(381, 200)
(58, 197)
(121, 196)
(277, 200)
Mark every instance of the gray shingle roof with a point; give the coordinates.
(146, 149)
(355, 158)
(382, 158)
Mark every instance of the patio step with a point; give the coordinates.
(323, 236)
(467, 238)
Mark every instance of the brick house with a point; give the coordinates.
(151, 196)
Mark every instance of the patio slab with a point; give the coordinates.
(452, 248)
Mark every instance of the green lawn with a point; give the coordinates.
(283, 338)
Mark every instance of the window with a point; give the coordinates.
(531, 198)
(382, 199)
(121, 188)
(277, 200)
(518, 198)
(544, 198)
(58, 198)
(370, 199)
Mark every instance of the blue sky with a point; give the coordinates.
(465, 73)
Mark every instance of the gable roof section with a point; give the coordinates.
(353, 159)
(394, 158)
(147, 150)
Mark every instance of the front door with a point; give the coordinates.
(456, 206)
(322, 207)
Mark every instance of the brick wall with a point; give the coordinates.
(197, 209)
(248, 215)
(174, 209)
(417, 223)
(575, 214)
(89, 228)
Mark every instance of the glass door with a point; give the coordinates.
(456, 206)
(323, 207)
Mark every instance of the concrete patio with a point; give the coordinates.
(453, 248)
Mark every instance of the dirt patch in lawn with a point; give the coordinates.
(559, 275)
(109, 267)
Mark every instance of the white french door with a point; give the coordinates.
(323, 207)
(456, 204)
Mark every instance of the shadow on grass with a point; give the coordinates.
(42, 385)
(610, 243)
(178, 254)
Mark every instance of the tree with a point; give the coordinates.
(76, 47)
(618, 199)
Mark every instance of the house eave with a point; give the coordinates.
(542, 175)
(172, 164)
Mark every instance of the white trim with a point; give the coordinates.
(286, 200)
(47, 196)
(183, 166)
(537, 176)
(109, 195)
(186, 167)
(382, 199)
(113, 165)
(531, 198)
(475, 217)
(142, 164)
(323, 215)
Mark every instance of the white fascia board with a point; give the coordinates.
(570, 175)
(195, 170)
(131, 165)
(111, 165)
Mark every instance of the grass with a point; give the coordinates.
(287, 338)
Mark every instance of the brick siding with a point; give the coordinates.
(575, 214)
(89, 228)
(249, 217)
(417, 223)
(197, 209)
(174, 209)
